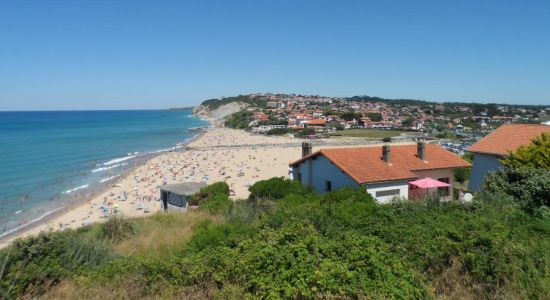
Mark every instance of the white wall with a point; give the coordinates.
(403, 187)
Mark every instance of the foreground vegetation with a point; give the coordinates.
(288, 242)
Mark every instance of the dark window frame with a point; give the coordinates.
(328, 185)
(386, 193)
(177, 200)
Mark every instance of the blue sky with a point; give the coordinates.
(156, 54)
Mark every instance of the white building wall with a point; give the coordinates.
(402, 186)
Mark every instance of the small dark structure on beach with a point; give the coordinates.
(174, 196)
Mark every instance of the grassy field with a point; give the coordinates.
(367, 133)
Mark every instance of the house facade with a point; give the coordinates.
(495, 146)
(384, 171)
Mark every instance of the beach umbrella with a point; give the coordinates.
(427, 183)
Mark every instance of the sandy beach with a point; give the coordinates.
(220, 154)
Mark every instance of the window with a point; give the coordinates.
(386, 193)
(443, 191)
(177, 200)
(328, 186)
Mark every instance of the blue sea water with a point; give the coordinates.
(50, 158)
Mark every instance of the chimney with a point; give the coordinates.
(306, 149)
(386, 153)
(421, 150)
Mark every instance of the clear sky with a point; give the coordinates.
(116, 54)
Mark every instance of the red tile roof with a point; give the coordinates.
(365, 164)
(508, 138)
(316, 122)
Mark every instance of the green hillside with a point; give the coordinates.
(288, 242)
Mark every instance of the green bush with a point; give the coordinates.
(278, 131)
(217, 204)
(32, 265)
(239, 120)
(529, 188)
(213, 198)
(276, 188)
(341, 244)
(207, 192)
(304, 132)
(534, 155)
(118, 228)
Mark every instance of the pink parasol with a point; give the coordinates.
(427, 183)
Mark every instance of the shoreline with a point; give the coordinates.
(215, 154)
(100, 188)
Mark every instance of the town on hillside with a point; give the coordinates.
(457, 125)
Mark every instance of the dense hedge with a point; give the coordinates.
(528, 188)
(340, 244)
(276, 188)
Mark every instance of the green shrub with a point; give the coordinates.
(207, 192)
(239, 120)
(276, 188)
(534, 155)
(217, 204)
(341, 244)
(278, 131)
(213, 198)
(528, 188)
(302, 133)
(34, 264)
(117, 228)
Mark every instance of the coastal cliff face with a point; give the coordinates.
(218, 115)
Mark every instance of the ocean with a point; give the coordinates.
(50, 159)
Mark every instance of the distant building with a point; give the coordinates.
(384, 171)
(265, 128)
(314, 123)
(489, 150)
(174, 197)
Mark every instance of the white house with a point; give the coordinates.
(491, 149)
(384, 171)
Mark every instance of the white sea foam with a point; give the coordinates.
(117, 160)
(192, 138)
(29, 223)
(76, 189)
(108, 168)
(163, 150)
(108, 178)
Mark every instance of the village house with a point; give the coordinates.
(315, 123)
(491, 149)
(386, 172)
